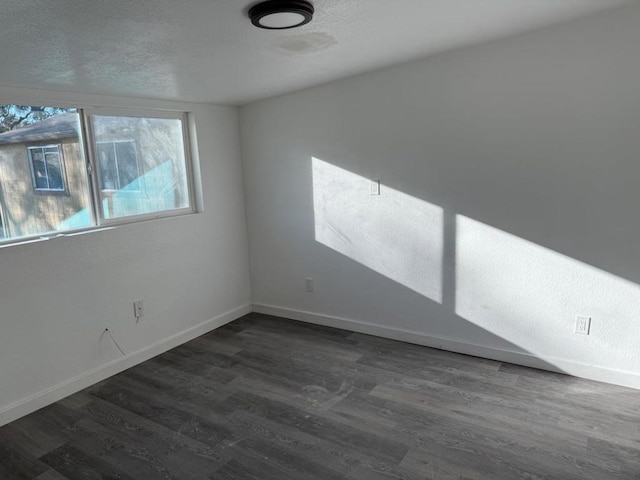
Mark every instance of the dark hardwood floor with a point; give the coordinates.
(271, 399)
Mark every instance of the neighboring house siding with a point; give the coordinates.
(29, 212)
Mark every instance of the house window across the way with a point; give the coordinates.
(119, 166)
(46, 168)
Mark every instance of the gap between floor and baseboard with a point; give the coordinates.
(560, 365)
(57, 392)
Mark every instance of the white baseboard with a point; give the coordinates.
(560, 365)
(57, 392)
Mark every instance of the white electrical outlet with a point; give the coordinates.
(374, 187)
(138, 309)
(308, 285)
(583, 325)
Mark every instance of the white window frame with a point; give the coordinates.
(3, 229)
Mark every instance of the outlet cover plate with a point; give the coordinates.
(308, 285)
(583, 325)
(138, 309)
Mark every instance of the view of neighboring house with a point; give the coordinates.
(43, 175)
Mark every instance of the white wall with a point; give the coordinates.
(509, 199)
(58, 296)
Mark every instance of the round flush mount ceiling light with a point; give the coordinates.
(281, 14)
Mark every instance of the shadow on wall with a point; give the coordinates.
(504, 285)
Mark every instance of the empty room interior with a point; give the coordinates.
(326, 239)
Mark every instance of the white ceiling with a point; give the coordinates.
(207, 50)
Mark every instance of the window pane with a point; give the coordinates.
(39, 168)
(108, 168)
(39, 149)
(127, 164)
(54, 171)
(141, 163)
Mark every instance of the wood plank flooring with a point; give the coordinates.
(265, 398)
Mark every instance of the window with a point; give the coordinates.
(46, 168)
(112, 166)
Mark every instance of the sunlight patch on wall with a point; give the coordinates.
(531, 295)
(394, 234)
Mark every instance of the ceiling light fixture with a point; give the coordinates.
(281, 14)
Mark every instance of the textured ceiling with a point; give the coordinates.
(207, 50)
